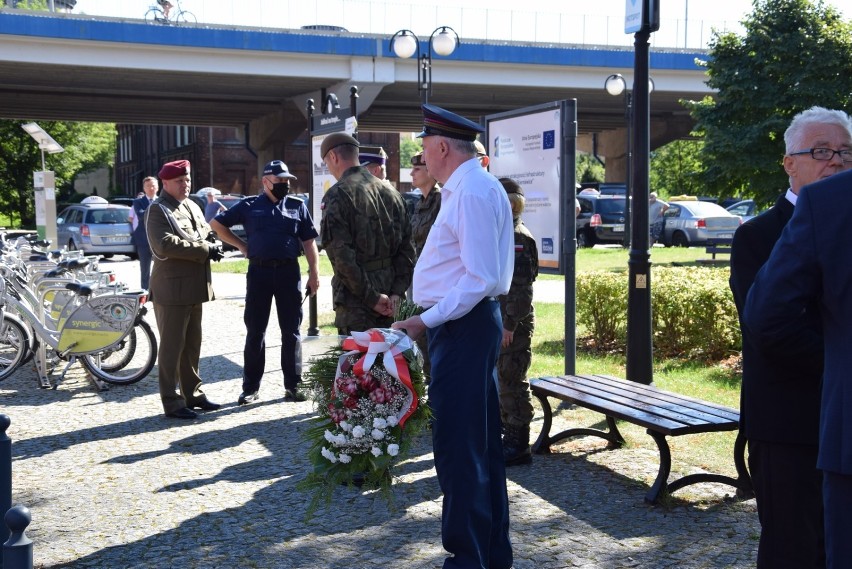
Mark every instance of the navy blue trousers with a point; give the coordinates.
(144, 254)
(282, 283)
(837, 499)
(466, 439)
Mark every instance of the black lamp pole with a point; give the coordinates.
(640, 348)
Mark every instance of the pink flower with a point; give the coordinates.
(337, 415)
(349, 385)
(368, 382)
(380, 395)
(350, 402)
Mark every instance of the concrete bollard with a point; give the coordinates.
(5, 476)
(18, 550)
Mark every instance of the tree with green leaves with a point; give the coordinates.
(408, 147)
(87, 146)
(795, 54)
(676, 169)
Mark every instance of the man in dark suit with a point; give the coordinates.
(812, 263)
(150, 185)
(180, 284)
(780, 391)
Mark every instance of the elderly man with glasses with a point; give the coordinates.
(780, 401)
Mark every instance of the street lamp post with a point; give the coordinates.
(615, 85)
(443, 41)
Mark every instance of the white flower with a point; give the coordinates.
(345, 458)
(378, 434)
(345, 426)
(393, 449)
(329, 455)
(379, 423)
(376, 451)
(358, 432)
(392, 421)
(329, 436)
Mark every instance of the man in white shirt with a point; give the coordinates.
(466, 262)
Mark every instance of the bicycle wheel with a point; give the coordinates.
(186, 18)
(154, 16)
(13, 346)
(128, 361)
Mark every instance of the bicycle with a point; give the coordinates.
(105, 331)
(155, 15)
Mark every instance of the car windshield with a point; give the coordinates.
(107, 216)
(706, 209)
(611, 206)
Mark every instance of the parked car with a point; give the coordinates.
(122, 200)
(229, 201)
(746, 209)
(688, 223)
(96, 227)
(601, 219)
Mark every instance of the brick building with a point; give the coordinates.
(220, 156)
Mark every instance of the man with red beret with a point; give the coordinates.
(180, 283)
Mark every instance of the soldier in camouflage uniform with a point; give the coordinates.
(516, 351)
(422, 219)
(427, 209)
(366, 233)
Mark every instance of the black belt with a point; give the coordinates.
(271, 263)
(377, 265)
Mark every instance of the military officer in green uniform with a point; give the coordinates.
(366, 233)
(518, 314)
(180, 284)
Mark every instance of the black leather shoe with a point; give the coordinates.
(206, 405)
(293, 395)
(183, 413)
(246, 398)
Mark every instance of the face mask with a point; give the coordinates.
(280, 190)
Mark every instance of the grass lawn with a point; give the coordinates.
(711, 381)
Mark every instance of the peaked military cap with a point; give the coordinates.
(417, 160)
(441, 122)
(372, 154)
(511, 186)
(480, 148)
(334, 140)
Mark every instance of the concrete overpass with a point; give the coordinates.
(78, 67)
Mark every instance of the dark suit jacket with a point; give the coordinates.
(773, 386)
(813, 262)
(140, 236)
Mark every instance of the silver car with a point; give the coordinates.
(96, 228)
(688, 223)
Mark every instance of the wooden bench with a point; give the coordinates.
(662, 413)
(717, 247)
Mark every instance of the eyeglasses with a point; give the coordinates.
(825, 154)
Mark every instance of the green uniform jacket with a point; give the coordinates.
(516, 305)
(181, 271)
(424, 217)
(367, 235)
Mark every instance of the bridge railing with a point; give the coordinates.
(566, 24)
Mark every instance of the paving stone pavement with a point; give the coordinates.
(111, 483)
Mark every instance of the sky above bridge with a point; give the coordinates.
(684, 23)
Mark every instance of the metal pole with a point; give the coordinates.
(5, 476)
(568, 167)
(628, 181)
(313, 327)
(640, 349)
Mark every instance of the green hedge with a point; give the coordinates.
(692, 309)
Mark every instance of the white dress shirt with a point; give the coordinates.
(469, 253)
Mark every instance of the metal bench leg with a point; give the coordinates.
(742, 483)
(665, 468)
(542, 443)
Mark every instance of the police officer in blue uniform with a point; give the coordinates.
(278, 228)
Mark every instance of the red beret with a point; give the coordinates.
(176, 169)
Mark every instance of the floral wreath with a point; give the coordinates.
(368, 394)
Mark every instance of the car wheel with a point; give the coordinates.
(583, 240)
(679, 239)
